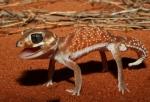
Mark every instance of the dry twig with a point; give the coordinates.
(74, 18)
(131, 18)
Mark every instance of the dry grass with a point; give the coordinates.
(132, 16)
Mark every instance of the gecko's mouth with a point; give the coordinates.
(31, 53)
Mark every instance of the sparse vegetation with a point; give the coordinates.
(133, 14)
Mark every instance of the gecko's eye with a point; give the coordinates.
(36, 38)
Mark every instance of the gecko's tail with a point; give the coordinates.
(140, 49)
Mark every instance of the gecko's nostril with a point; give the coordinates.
(19, 44)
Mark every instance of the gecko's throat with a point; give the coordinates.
(31, 53)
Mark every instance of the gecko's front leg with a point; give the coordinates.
(114, 48)
(51, 69)
(77, 74)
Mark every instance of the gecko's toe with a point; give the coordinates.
(49, 83)
(73, 91)
(70, 90)
(122, 88)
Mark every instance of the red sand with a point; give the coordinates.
(21, 80)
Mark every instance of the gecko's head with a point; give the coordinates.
(36, 42)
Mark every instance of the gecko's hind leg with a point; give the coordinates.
(104, 61)
(114, 48)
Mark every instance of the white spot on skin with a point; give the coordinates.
(122, 47)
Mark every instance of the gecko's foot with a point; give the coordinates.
(49, 83)
(122, 88)
(73, 91)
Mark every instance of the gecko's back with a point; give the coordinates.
(85, 37)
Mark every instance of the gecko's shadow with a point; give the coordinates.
(39, 76)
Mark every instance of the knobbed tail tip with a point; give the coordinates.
(137, 62)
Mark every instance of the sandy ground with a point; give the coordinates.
(22, 80)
